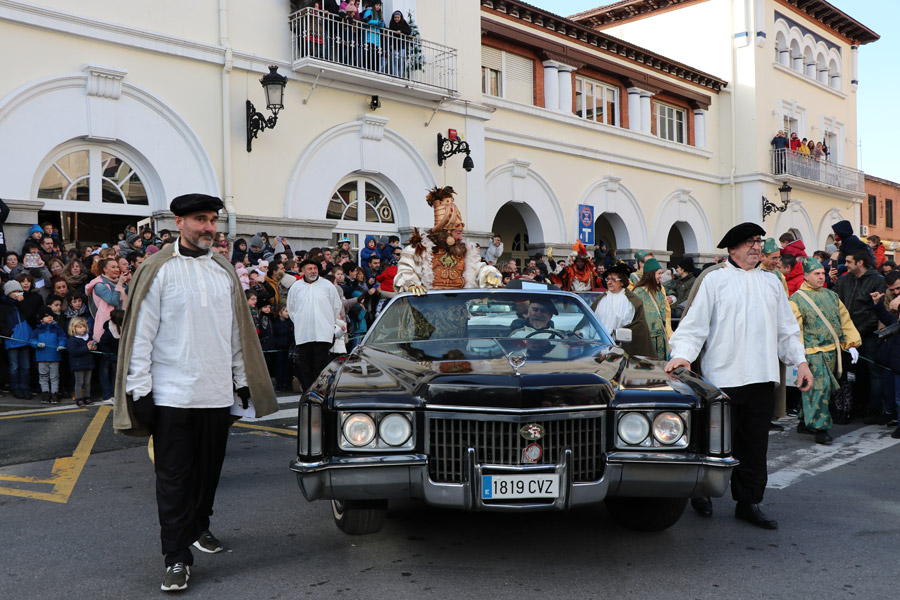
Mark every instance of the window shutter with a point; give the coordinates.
(491, 58)
(519, 79)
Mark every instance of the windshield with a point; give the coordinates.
(487, 315)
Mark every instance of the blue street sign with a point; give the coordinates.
(586, 224)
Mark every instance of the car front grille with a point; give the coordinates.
(497, 441)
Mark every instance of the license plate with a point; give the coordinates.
(544, 485)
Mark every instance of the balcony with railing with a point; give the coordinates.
(802, 169)
(351, 51)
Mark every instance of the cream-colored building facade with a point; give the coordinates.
(116, 110)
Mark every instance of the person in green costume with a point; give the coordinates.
(656, 308)
(822, 333)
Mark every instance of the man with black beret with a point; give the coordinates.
(314, 306)
(739, 325)
(188, 345)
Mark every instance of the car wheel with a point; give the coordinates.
(359, 517)
(646, 514)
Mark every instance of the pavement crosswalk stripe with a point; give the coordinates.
(790, 468)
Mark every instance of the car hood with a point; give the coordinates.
(591, 375)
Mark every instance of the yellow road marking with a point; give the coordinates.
(46, 412)
(66, 470)
(264, 428)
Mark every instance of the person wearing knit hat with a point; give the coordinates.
(825, 324)
(656, 307)
(739, 325)
(452, 261)
(640, 257)
(768, 261)
(18, 334)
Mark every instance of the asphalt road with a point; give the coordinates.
(94, 533)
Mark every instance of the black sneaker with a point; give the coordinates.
(45, 399)
(208, 543)
(176, 578)
(896, 434)
(54, 398)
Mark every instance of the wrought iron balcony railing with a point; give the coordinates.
(321, 38)
(787, 162)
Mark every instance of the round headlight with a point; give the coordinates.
(359, 429)
(633, 428)
(394, 429)
(668, 428)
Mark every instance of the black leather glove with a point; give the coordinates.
(244, 394)
(145, 411)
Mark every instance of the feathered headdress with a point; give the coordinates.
(446, 215)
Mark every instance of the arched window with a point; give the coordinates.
(782, 50)
(834, 75)
(809, 63)
(796, 56)
(361, 208)
(93, 179)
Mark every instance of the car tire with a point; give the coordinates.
(646, 514)
(359, 517)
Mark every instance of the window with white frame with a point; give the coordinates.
(507, 75)
(94, 178)
(362, 208)
(670, 123)
(596, 101)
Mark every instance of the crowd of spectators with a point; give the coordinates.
(356, 33)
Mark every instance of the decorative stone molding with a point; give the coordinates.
(103, 82)
(371, 126)
(684, 195)
(520, 168)
(612, 183)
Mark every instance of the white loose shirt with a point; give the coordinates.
(187, 345)
(314, 309)
(740, 324)
(614, 311)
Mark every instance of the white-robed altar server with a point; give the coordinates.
(314, 306)
(739, 325)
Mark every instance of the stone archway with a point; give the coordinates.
(517, 184)
(75, 106)
(623, 216)
(796, 218)
(680, 210)
(368, 147)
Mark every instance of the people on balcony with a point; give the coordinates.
(780, 145)
(397, 44)
(374, 20)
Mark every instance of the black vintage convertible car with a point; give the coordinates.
(507, 400)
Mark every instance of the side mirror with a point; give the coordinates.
(622, 335)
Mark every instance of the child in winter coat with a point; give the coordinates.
(49, 341)
(15, 328)
(81, 362)
(368, 251)
(283, 329)
(77, 307)
(109, 346)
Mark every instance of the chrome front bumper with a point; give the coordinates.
(630, 474)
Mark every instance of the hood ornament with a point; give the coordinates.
(516, 359)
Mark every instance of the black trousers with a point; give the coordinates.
(312, 357)
(189, 448)
(751, 412)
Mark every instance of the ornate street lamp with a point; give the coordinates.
(769, 208)
(447, 147)
(273, 84)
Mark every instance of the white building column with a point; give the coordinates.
(565, 89)
(634, 109)
(551, 85)
(854, 67)
(699, 128)
(646, 113)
